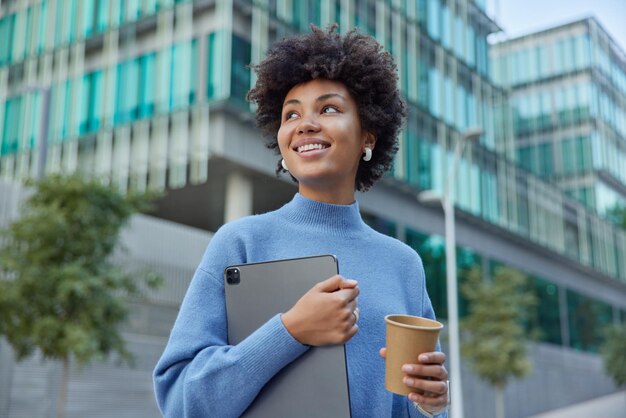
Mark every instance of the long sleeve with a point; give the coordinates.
(199, 375)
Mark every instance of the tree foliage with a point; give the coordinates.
(59, 291)
(494, 335)
(614, 353)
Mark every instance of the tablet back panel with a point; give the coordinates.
(315, 384)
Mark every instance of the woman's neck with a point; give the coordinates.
(334, 195)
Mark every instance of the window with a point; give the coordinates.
(182, 87)
(6, 32)
(547, 316)
(12, 122)
(126, 94)
(240, 74)
(146, 86)
(91, 103)
(432, 251)
(434, 16)
(587, 317)
(215, 56)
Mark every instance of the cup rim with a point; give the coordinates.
(436, 324)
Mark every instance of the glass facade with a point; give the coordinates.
(568, 88)
(131, 83)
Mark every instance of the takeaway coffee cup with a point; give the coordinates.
(407, 337)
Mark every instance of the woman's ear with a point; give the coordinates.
(369, 140)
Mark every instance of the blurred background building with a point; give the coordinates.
(151, 94)
(568, 90)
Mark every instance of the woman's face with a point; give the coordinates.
(321, 140)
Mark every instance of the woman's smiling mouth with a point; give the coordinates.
(311, 147)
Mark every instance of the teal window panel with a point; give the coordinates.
(434, 104)
(58, 25)
(182, 85)
(126, 93)
(425, 165)
(422, 13)
(89, 12)
(94, 17)
(459, 44)
(466, 260)
(216, 54)
(587, 319)
(6, 32)
(461, 108)
(150, 6)
(28, 35)
(91, 103)
(423, 90)
(315, 12)
(446, 27)
(482, 54)
(546, 315)
(102, 15)
(489, 196)
(432, 251)
(434, 19)
(412, 159)
(470, 39)
(545, 160)
(130, 10)
(13, 113)
(35, 119)
(240, 74)
(146, 101)
(42, 25)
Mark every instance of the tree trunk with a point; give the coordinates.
(499, 402)
(63, 389)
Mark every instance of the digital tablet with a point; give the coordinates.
(315, 384)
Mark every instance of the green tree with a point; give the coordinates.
(59, 291)
(614, 353)
(493, 331)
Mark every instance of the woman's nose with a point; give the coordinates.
(308, 124)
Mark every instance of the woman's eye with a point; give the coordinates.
(290, 115)
(330, 109)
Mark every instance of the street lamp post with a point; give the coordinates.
(447, 202)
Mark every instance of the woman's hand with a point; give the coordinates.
(325, 314)
(429, 378)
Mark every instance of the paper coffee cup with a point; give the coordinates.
(407, 337)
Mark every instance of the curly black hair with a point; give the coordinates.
(356, 60)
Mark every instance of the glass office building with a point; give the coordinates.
(568, 91)
(151, 94)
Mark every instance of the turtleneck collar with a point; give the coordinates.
(326, 217)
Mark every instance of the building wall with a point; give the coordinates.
(150, 95)
(568, 90)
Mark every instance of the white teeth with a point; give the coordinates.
(309, 147)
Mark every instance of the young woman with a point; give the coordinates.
(331, 107)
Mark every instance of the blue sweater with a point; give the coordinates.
(199, 375)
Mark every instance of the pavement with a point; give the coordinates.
(610, 406)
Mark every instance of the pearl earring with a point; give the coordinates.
(368, 154)
(284, 164)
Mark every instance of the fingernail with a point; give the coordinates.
(408, 381)
(413, 397)
(423, 357)
(407, 368)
